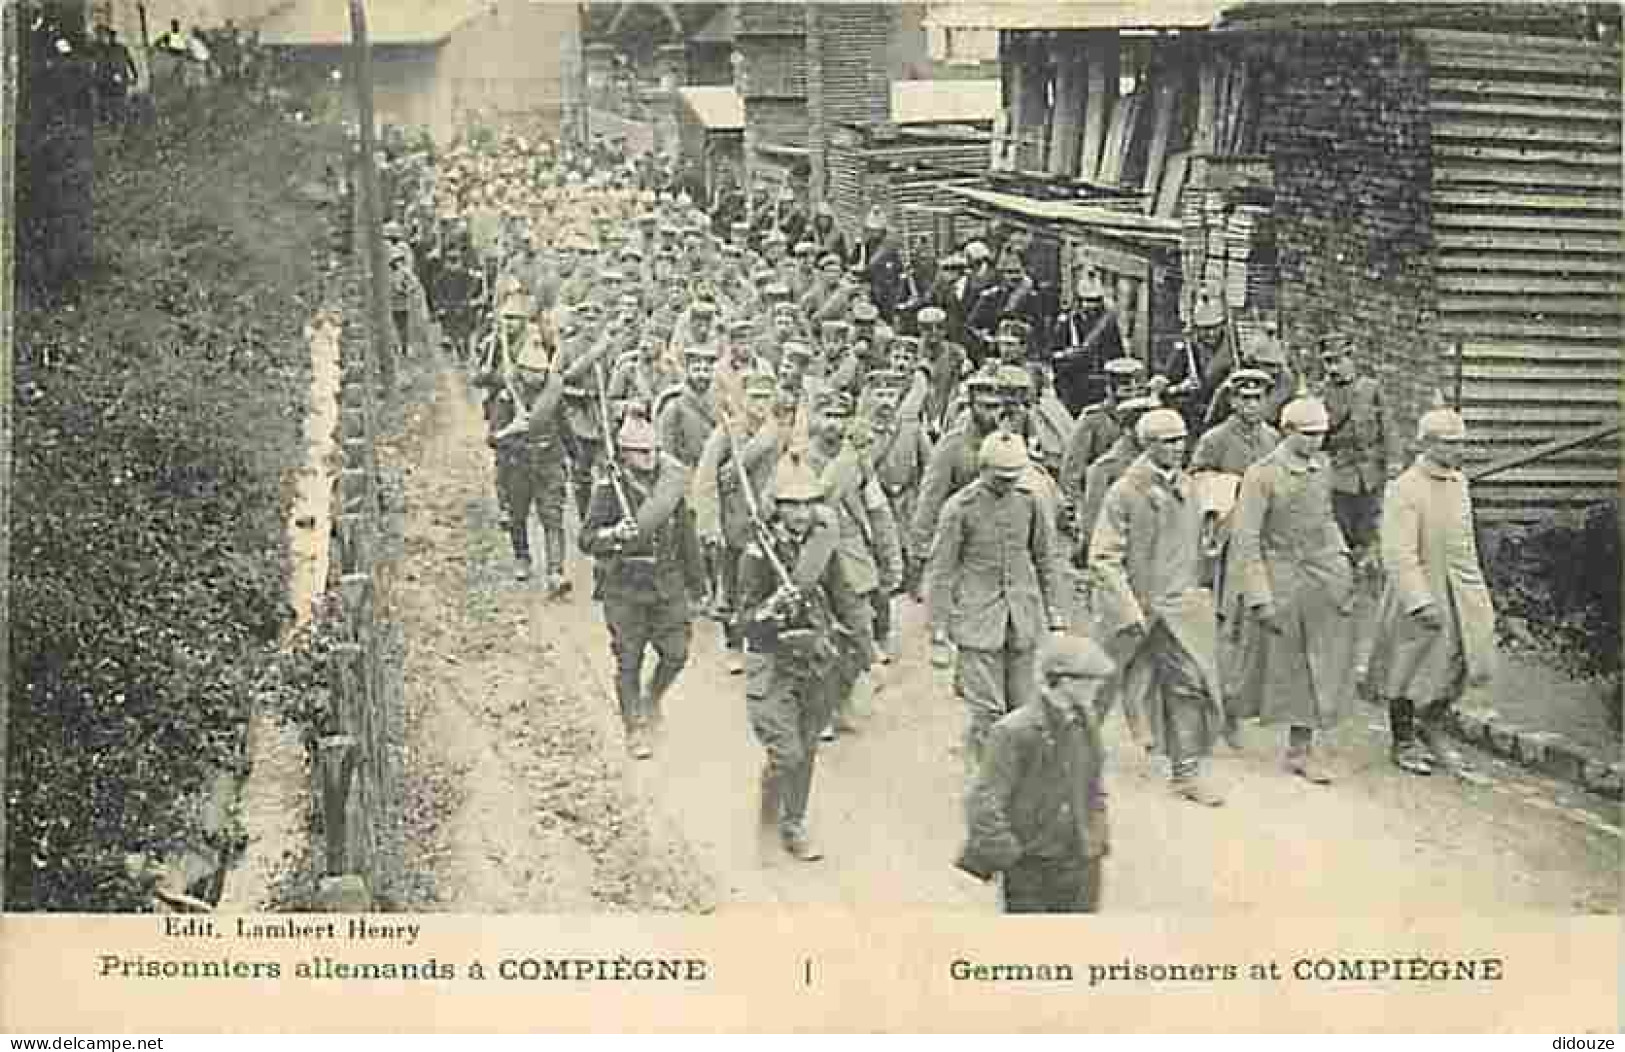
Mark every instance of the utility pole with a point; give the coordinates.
(372, 204)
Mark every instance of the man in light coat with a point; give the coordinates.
(994, 585)
(1150, 610)
(1435, 622)
(1290, 639)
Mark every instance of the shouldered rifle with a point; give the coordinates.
(612, 464)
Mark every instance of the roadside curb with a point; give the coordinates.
(1543, 751)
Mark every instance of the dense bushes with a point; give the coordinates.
(159, 406)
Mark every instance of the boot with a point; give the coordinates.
(522, 568)
(1188, 784)
(1231, 732)
(638, 743)
(1434, 738)
(1409, 754)
(800, 844)
(1300, 758)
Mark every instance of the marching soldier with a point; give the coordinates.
(868, 547)
(955, 463)
(1435, 621)
(794, 601)
(1359, 445)
(1195, 365)
(685, 415)
(1150, 609)
(526, 433)
(584, 371)
(639, 378)
(1097, 428)
(1290, 641)
(1083, 342)
(647, 568)
(1108, 468)
(1268, 357)
(947, 365)
(749, 439)
(1037, 812)
(877, 256)
(995, 585)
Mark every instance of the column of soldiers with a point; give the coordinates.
(763, 423)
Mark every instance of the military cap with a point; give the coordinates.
(953, 261)
(786, 309)
(831, 327)
(976, 251)
(1142, 403)
(864, 312)
(704, 308)
(764, 277)
(1090, 288)
(632, 254)
(833, 403)
(1066, 656)
(1441, 422)
(757, 382)
(931, 316)
(1250, 381)
(533, 356)
(1016, 328)
(586, 309)
(666, 252)
(636, 433)
(1209, 312)
(1307, 416)
(776, 237)
(739, 226)
(628, 299)
(981, 382)
(1003, 451)
(393, 230)
(670, 230)
(1012, 378)
(795, 349)
(741, 327)
(1125, 368)
(777, 290)
(700, 351)
(399, 250)
(886, 379)
(875, 219)
(1159, 424)
(911, 344)
(614, 277)
(729, 249)
(795, 481)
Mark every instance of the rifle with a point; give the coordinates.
(758, 525)
(612, 464)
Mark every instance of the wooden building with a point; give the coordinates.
(711, 132)
(1440, 181)
(439, 63)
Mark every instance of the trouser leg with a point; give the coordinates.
(812, 714)
(1402, 721)
(670, 636)
(549, 502)
(1299, 740)
(1186, 708)
(582, 460)
(881, 602)
(979, 680)
(1052, 887)
(516, 484)
(629, 625)
(732, 637)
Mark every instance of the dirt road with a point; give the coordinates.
(522, 798)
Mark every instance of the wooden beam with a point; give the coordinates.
(1207, 104)
(1166, 79)
(1592, 434)
(1101, 73)
(1071, 94)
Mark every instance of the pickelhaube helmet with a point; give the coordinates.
(795, 481)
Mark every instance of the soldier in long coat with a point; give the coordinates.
(954, 465)
(1108, 468)
(1435, 622)
(647, 566)
(995, 586)
(1289, 654)
(1097, 427)
(1150, 610)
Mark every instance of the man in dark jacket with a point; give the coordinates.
(1037, 812)
(1081, 342)
(647, 568)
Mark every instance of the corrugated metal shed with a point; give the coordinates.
(317, 23)
(1529, 253)
(715, 108)
(945, 101)
(1092, 14)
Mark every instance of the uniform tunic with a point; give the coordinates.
(1430, 556)
(1286, 549)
